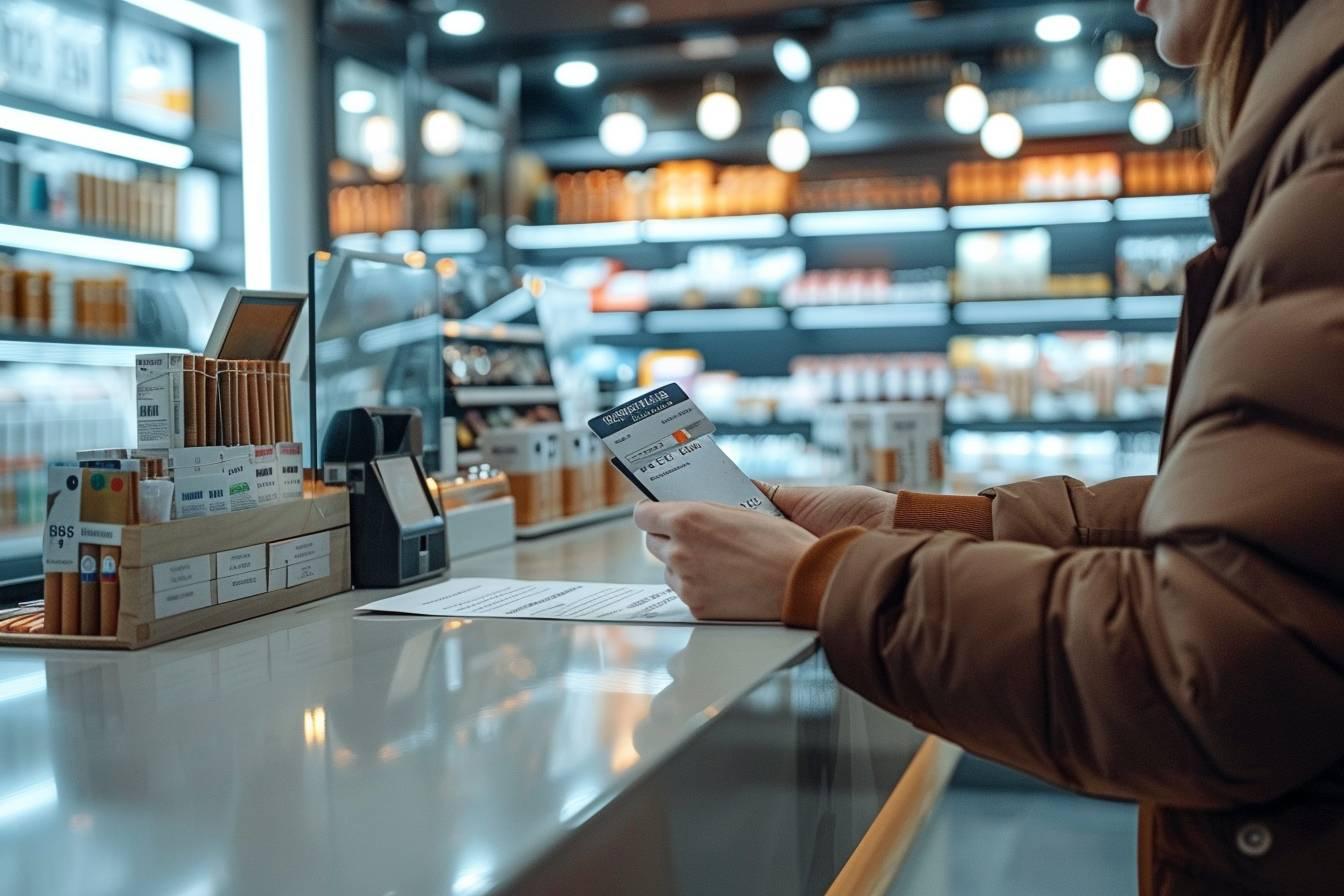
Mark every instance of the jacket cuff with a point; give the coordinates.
(811, 575)
(972, 514)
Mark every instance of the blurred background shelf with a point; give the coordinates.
(1126, 425)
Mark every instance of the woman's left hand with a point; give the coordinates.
(723, 562)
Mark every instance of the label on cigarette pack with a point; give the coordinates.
(300, 550)
(183, 600)
(664, 444)
(249, 584)
(158, 401)
(307, 571)
(206, 494)
(175, 574)
(60, 541)
(240, 560)
(242, 487)
(289, 470)
(265, 478)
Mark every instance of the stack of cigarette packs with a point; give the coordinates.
(225, 429)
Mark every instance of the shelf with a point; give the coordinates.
(79, 244)
(857, 317)
(866, 222)
(30, 349)
(715, 320)
(1148, 307)
(1126, 425)
(452, 241)
(18, 544)
(772, 428)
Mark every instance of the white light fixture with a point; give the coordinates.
(87, 136)
(1119, 73)
(869, 221)
(966, 107)
(253, 90)
(788, 148)
(145, 255)
(1001, 136)
(1058, 28)
(866, 317)
(719, 114)
(1150, 121)
(833, 108)
(573, 236)
(387, 167)
(715, 320)
(358, 102)
(1031, 214)
(729, 227)
(1162, 208)
(576, 73)
(792, 59)
(462, 241)
(462, 22)
(442, 132)
(622, 132)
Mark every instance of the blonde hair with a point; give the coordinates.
(1240, 35)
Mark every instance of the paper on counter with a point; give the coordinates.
(514, 599)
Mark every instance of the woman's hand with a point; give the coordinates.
(724, 563)
(825, 510)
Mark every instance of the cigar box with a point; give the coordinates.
(189, 576)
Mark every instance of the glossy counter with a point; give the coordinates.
(315, 752)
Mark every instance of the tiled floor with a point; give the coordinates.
(1022, 841)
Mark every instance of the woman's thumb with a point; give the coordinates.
(784, 497)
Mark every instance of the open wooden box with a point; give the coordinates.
(321, 510)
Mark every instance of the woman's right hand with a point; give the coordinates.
(824, 510)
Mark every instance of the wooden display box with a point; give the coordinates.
(322, 510)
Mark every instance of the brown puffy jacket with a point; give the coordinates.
(1177, 640)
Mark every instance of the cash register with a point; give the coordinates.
(396, 527)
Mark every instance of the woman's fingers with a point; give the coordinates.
(655, 517)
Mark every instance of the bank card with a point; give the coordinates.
(665, 445)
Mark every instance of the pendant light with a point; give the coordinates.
(966, 107)
(622, 132)
(1001, 136)
(1119, 73)
(719, 114)
(833, 108)
(788, 148)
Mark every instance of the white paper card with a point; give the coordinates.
(514, 599)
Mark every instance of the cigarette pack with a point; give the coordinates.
(159, 392)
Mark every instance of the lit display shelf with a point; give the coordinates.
(1099, 424)
(1126, 312)
(93, 352)
(452, 241)
(76, 244)
(867, 222)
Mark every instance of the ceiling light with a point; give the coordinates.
(622, 132)
(1058, 28)
(793, 61)
(719, 114)
(442, 132)
(358, 102)
(833, 109)
(461, 22)
(387, 167)
(966, 107)
(630, 15)
(1001, 136)
(1150, 121)
(1119, 73)
(575, 73)
(788, 148)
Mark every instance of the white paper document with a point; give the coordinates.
(514, 599)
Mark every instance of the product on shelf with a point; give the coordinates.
(1155, 265)
(1015, 264)
(49, 303)
(84, 190)
(681, 189)
(1073, 376)
(379, 208)
(1035, 178)
(874, 192)
(871, 286)
(828, 379)
(715, 276)
(1168, 172)
(981, 460)
(888, 445)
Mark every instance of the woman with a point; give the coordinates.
(1176, 640)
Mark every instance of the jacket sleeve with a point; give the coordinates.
(1204, 671)
(1060, 511)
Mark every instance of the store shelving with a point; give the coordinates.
(866, 222)
(715, 320)
(437, 242)
(846, 317)
(1033, 424)
(1148, 307)
(1019, 311)
(21, 348)
(80, 244)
